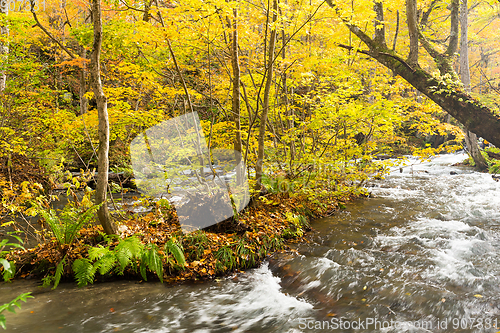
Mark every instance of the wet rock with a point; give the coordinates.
(453, 173)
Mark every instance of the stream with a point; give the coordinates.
(422, 255)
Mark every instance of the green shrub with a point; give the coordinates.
(9, 268)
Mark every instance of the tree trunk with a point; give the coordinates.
(83, 85)
(470, 112)
(235, 60)
(411, 18)
(265, 103)
(470, 138)
(103, 130)
(4, 48)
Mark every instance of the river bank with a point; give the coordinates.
(262, 229)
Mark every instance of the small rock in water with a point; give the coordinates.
(453, 173)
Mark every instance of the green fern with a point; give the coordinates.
(176, 251)
(56, 278)
(106, 263)
(104, 258)
(152, 260)
(84, 271)
(128, 249)
(59, 272)
(74, 221)
(96, 253)
(66, 226)
(53, 222)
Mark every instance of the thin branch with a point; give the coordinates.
(397, 32)
(427, 13)
(38, 24)
(190, 104)
(488, 80)
(370, 53)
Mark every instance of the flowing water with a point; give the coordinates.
(423, 255)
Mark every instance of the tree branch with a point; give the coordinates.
(426, 14)
(38, 24)
(396, 33)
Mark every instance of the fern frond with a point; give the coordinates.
(74, 221)
(53, 221)
(84, 272)
(175, 250)
(105, 263)
(98, 252)
(126, 250)
(59, 272)
(151, 259)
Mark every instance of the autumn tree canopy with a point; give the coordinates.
(443, 87)
(292, 85)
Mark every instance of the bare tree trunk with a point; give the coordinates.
(411, 18)
(4, 48)
(83, 85)
(102, 113)
(235, 60)
(378, 7)
(470, 138)
(265, 104)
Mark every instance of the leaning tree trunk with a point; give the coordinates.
(102, 114)
(470, 138)
(467, 110)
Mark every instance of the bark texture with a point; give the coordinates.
(411, 19)
(4, 48)
(265, 103)
(102, 113)
(235, 62)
